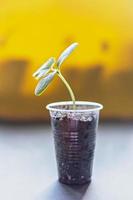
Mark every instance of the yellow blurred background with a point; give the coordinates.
(100, 69)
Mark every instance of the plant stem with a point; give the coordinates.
(68, 87)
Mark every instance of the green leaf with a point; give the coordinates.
(66, 53)
(43, 83)
(42, 71)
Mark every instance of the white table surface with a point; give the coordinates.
(28, 166)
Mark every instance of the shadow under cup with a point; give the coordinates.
(74, 137)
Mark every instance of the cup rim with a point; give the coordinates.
(51, 108)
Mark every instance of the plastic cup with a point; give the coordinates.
(74, 137)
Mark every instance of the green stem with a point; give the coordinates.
(68, 87)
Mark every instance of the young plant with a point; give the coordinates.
(50, 69)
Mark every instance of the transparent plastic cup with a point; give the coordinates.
(74, 137)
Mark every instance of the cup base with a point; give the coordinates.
(67, 182)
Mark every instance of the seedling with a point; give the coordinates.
(51, 68)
